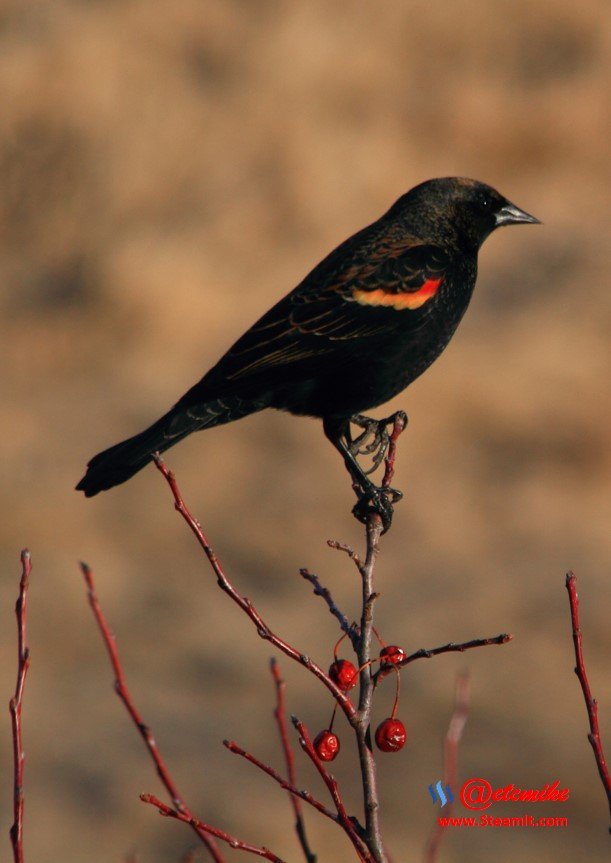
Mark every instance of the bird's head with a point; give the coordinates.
(463, 210)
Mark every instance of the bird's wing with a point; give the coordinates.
(331, 307)
(399, 278)
(342, 299)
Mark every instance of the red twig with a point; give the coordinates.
(243, 602)
(344, 820)
(591, 703)
(199, 826)
(367, 840)
(450, 760)
(399, 424)
(145, 732)
(15, 704)
(280, 717)
(233, 747)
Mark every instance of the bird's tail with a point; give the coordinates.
(117, 464)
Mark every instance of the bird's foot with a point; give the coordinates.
(377, 500)
(375, 438)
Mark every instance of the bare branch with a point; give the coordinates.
(15, 705)
(280, 717)
(199, 826)
(374, 529)
(399, 426)
(347, 549)
(325, 593)
(243, 602)
(143, 729)
(233, 747)
(450, 759)
(591, 703)
(349, 825)
(453, 647)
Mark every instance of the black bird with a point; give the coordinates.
(361, 326)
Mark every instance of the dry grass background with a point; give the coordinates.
(168, 171)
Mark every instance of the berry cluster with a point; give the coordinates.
(390, 735)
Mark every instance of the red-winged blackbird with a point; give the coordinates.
(370, 318)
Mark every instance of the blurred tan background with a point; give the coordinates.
(167, 172)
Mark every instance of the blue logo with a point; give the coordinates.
(443, 796)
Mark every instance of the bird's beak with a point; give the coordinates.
(512, 215)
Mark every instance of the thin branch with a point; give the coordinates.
(280, 717)
(348, 824)
(325, 593)
(295, 792)
(347, 549)
(454, 647)
(399, 425)
(243, 602)
(450, 759)
(199, 826)
(451, 647)
(374, 529)
(15, 705)
(145, 732)
(367, 841)
(591, 703)
(362, 724)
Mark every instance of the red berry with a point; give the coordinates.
(391, 735)
(392, 655)
(343, 673)
(326, 745)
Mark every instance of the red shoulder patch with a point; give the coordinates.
(401, 300)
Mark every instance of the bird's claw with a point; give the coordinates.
(379, 501)
(375, 438)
